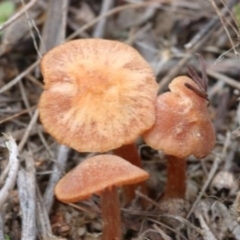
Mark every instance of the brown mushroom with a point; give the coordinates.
(101, 175)
(99, 95)
(183, 127)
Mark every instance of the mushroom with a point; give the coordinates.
(99, 95)
(101, 175)
(182, 128)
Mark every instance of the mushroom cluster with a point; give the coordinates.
(101, 95)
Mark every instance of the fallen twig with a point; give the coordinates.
(28, 130)
(208, 235)
(221, 77)
(43, 222)
(100, 26)
(27, 197)
(57, 172)
(19, 77)
(16, 115)
(13, 170)
(18, 134)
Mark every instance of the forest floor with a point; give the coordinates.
(168, 34)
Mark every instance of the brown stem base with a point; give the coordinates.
(176, 178)
(130, 153)
(112, 227)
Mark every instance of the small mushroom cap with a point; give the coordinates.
(98, 95)
(183, 126)
(95, 175)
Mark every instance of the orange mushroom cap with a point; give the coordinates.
(96, 174)
(183, 126)
(98, 95)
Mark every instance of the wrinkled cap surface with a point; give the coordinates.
(96, 174)
(183, 126)
(98, 95)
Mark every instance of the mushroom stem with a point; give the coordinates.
(130, 153)
(176, 178)
(111, 215)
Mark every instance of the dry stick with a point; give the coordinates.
(86, 209)
(24, 98)
(19, 77)
(166, 227)
(30, 113)
(54, 29)
(27, 197)
(100, 26)
(214, 168)
(208, 235)
(161, 232)
(203, 31)
(43, 223)
(181, 220)
(230, 218)
(147, 199)
(18, 134)
(11, 178)
(230, 81)
(147, 232)
(18, 14)
(201, 37)
(17, 115)
(28, 130)
(13, 169)
(57, 171)
(27, 105)
(34, 81)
